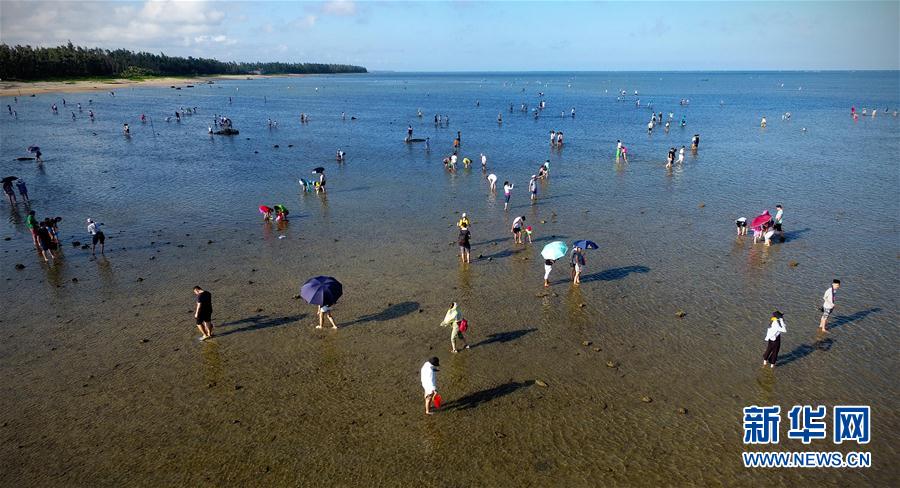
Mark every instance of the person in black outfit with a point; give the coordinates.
(203, 312)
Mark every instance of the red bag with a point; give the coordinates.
(463, 325)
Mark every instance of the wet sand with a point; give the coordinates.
(27, 88)
(104, 383)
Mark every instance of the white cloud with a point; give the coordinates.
(339, 7)
(147, 24)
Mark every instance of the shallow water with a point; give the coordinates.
(272, 401)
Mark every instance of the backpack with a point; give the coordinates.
(463, 325)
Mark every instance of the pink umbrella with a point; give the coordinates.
(760, 220)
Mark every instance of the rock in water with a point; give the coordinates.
(540, 383)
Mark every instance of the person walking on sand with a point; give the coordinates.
(548, 267)
(828, 300)
(578, 262)
(97, 235)
(453, 318)
(533, 188)
(203, 312)
(773, 339)
(10, 193)
(45, 242)
(517, 225)
(465, 245)
(429, 381)
(325, 312)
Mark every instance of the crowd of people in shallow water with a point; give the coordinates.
(765, 226)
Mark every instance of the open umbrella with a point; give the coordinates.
(34, 149)
(318, 170)
(583, 244)
(761, 219)
(554, 250)
(9, 178)
(322, 290)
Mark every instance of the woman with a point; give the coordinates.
(453, 318)
(507, 192)
(325, 311)
(548, 267)
(773, 339)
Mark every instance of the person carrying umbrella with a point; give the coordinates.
(578, 258)
(323, 291)
(8, 189)
(551, 253)
(453, 318)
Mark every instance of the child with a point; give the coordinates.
(528, 233)
(267, 213)
(281, 213)
(624, 153)
(325, 311)
(23, 190)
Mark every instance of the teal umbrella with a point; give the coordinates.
(554, 250)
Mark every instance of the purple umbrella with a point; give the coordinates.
(322, 290)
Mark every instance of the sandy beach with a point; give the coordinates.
(25, 88)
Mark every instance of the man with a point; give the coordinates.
(429, 383)
(97, 236)
(203, 312)
(828, 304)
(8, 189)
(533, 188)
(465, 246)
(779, 216)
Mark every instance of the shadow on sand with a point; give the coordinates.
(502, 337)
(392, 312)
(479, 398)
(257, 322)
(612, 274)
(827, 343)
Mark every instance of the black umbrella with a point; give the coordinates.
(9, 178)
(319, 170)
(34, 149)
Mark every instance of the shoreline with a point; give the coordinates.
(28, 88)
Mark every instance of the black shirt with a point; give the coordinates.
(205, 301)
(464, 236)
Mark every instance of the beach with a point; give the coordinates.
(27, 88)
(637, 377)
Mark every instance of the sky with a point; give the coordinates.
(463, 35)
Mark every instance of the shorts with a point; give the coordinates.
(740, 223)
(9, 191)
(517, 230)
(826, 312)
(507, 197)
(204, 316)
(578, 268)
(98, 237)
(778, 228)
(45, 244)
(465, 247)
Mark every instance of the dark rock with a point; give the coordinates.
(140, 279)
(85, 246)
(250, 282)
(144, 341)
(276, 146)
(793, 264)
(209, 242)
(74, 280)
(180, 245)
(7, 238)
(258, 310)
(76, 243)
(20, 266)
(701, 205)
(238, 387)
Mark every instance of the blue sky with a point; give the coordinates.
(481, 36)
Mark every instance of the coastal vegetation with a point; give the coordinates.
(29, 63)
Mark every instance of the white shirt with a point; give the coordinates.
(518, 222)
(453, 159)
(778, 216)
(776, 328)
(492, 177)
(93, 228)
(619, 145)
(507, 188)
(547, 269)
(829, 298)
(428, 379)
(483, 159)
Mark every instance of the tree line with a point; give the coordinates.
(69, 61)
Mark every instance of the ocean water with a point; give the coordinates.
(104, 383)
